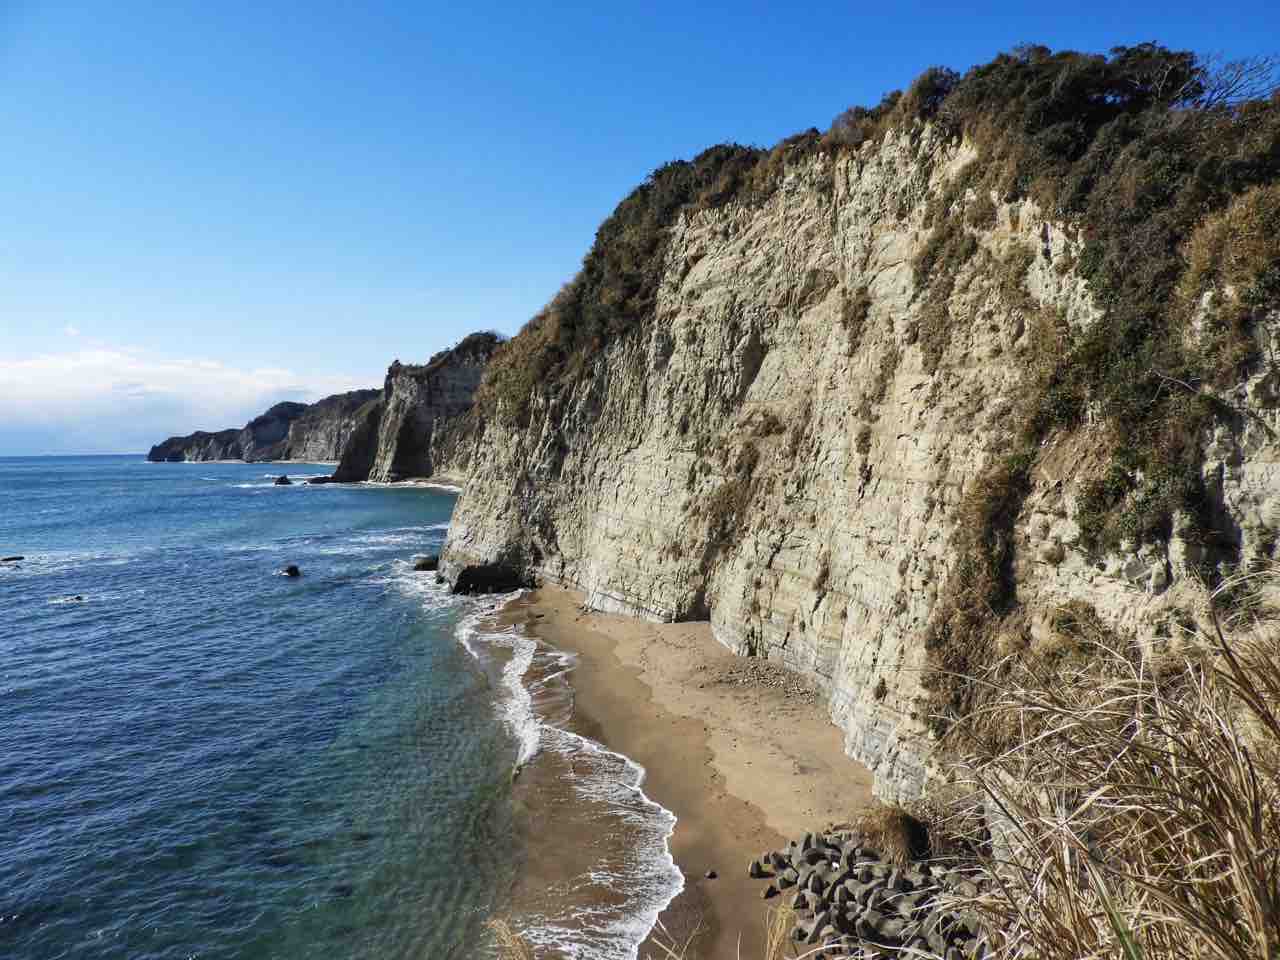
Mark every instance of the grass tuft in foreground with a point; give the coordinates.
(1138, 812)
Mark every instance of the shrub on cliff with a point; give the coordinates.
(1135, 148)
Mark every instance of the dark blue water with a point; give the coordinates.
(201, 758)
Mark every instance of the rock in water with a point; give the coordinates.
(292, 571)
(11, 559)
(283, 481)
(427, 564)
(710, 874)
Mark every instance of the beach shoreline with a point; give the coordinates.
(742, 753)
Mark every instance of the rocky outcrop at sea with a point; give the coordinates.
(419, 425)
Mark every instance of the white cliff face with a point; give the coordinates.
(766, 455)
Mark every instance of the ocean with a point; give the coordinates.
(202, 758)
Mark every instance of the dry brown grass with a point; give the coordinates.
(893, 832)
(1237, 247)
(1138, 815)
(777, 932)
(673, 945)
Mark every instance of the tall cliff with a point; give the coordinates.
(878, 414)
(201, 445)
(419, 425)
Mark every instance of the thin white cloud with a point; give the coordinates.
(104, 398)
(71, 330)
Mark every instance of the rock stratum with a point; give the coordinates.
(827, 423)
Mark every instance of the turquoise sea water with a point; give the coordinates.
(202, 758)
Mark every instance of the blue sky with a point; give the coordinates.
(213, 206)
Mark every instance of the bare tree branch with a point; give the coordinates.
(1226, 83)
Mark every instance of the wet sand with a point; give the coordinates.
(742, 760)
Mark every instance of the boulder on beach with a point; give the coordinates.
(490, 578)
(283, 481)
(427, 564)
(292, 570)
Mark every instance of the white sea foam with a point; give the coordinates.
(645, 877)
(648, 879)
(418, 484)
(517, 706)
(59, 561)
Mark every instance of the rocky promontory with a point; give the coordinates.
(417, 426)
(201, 445)
(286, 431)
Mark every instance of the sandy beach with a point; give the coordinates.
(740, 751)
